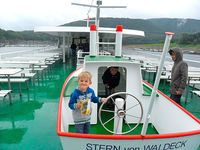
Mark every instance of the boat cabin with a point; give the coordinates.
(130, 76)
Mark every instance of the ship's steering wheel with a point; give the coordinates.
(122, 113)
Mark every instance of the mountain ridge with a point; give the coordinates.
(154, 28)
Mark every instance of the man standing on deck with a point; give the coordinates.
(179, 75)
(73, 47)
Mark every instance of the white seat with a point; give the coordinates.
(28, 75)
(196, 92)
(4, 93)
(16, 80)
(194, 82)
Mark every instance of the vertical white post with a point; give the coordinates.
(97, 40)
(93, 40)
(118, 40)
(153, 95)
(118, 120)
(68, 46)
(63, 48)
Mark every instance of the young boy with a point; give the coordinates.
(80, 102)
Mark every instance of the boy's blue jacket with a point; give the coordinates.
(77, 96)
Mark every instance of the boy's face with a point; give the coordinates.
(84, 82)
(113, 71)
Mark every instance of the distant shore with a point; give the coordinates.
(159, 48)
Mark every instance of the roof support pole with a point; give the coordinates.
(63, 48)
(118, 41)
(68, 46)
(93, 40)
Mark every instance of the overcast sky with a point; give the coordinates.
(19, 15)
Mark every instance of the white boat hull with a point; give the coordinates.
(179, 143)
(177, 129)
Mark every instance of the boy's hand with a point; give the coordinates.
(104, 100)
(78, 105)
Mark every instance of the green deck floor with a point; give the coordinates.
(98, 128)
(30, 122)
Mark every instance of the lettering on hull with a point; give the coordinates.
(166, 146)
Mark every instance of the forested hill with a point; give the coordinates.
(154, 28)
(23, 37)
(178, 25)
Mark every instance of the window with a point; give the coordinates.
(122, 83)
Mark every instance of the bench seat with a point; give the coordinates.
(4, 93)
(28, 75)
(16, 80)
(194, 82)
(196, 92)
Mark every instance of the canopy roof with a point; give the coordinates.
(77, 32)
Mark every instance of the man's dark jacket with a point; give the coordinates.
(179, 73)
(111, 80)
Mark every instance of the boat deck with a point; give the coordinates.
(30, 122)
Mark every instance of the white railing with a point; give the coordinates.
(81, 55)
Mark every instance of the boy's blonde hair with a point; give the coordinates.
(85, 74)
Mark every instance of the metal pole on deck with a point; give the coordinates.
(154, 90)
(68, 46)
(63, 48)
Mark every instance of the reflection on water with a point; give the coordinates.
(12, 136)
(21, 111)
